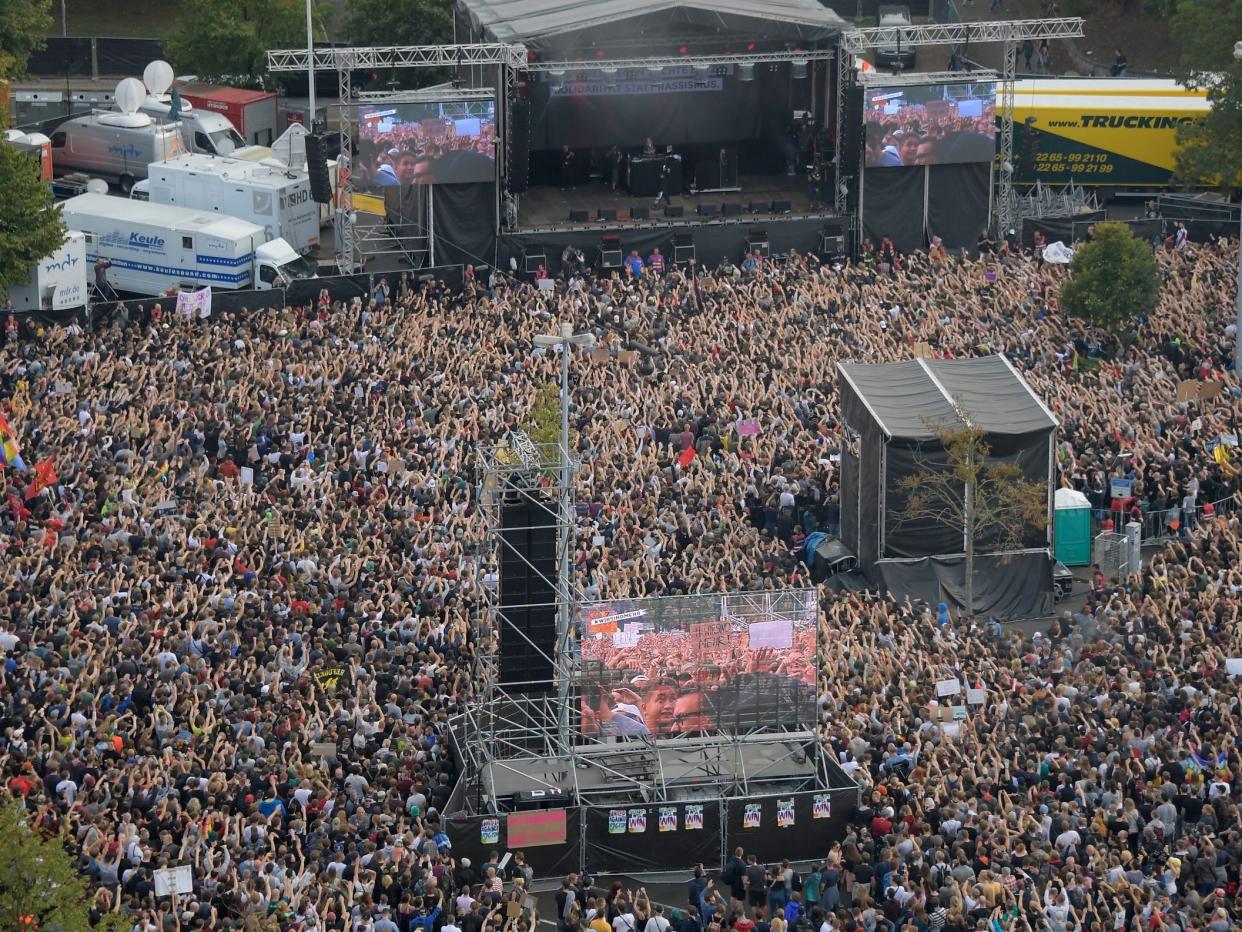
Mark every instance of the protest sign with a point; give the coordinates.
(194, 303)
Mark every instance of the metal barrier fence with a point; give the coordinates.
(1166, 525)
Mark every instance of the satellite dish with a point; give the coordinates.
(158, 77)
(14, 135)
(130, 93)
(37, 139)
(97, 186)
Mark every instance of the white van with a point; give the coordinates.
(201, 130)
(277, 199)
(114, 146)
(154, 249)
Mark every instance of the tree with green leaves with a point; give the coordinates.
(23, 26)
(228, 40)
(39, 888)
(1210, 149)
(962, 489)
(30, 226)
(402, 22)
(1113, 279)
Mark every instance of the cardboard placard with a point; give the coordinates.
(959, 713)
(948, 687)
(976, 696)
(170, 880)
(627, 357)
(922, 351)
(1187, 390)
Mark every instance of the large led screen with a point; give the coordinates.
(448, 142)
(689, 665)
(937, 124)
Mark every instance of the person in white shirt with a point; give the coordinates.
(657, 922)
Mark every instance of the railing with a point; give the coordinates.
(1166, 525)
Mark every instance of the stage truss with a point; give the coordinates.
(1010, 32)
(344, 61)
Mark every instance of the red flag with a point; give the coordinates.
(686, 457)
(44, 477)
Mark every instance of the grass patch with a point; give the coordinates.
(118, 18)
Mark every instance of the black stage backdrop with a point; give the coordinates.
(957, 202)
(674, 118)
(893, 206)
(465, 223)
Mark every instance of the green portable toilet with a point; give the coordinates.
(1072, 528)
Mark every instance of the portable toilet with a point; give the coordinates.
(1072, 528)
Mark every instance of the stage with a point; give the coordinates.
(549, 209)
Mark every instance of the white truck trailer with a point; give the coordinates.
(57, 283)
(279, 200)
(154, 248)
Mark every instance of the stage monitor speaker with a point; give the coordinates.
(731, 210)
(579, 216)
(683, 248)
(519, 146)
(707, 210)
(533, 258)
(528, 570)
(759, 207)
(782, 207)
(757, 241)
(831, 245)
(675, 211)
(852, 131)
(611, 255)
(608, 214)
(640, 213)
(317, 169)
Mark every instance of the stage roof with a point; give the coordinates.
(541, 24)
(904, 398)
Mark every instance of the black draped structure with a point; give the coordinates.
(911, 204)
(892, 206)
(464, 223)
(892, 413)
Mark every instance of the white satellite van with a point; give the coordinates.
(56, 283)
(201, 130)
(154, 249)
(117, 146)
(275, 198)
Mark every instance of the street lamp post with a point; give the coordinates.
(565, 339)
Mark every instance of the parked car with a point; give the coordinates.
(898, 56)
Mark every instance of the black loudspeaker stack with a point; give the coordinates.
(317, 169)
(519, 146)
(852, 130)
(527, 591)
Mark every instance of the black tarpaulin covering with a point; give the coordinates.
(728, 115)
(1011, 586)
(892, 206)
(797, 826)
(465, 223)
(631, 851)
(466, 834)
(894, 411)
(910, 399)
(957, 202)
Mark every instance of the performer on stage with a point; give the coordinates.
(567, 167)
(649, 149)
(613, 162)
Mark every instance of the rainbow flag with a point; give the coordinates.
(10, 453)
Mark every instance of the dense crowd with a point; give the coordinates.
(237, 618)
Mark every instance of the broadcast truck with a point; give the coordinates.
(57, 282)
(1113, 133)
(155, 248)
(277, 199)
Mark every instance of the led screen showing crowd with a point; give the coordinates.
(447, 142)
(937, 124)
(699, 664)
